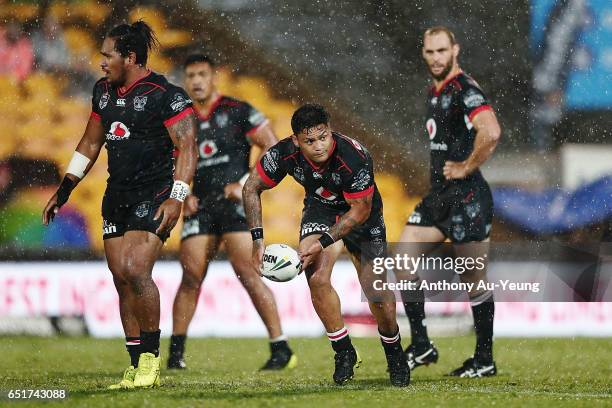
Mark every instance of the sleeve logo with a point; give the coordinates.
(103, 100)
(473, 99)
(179, 102)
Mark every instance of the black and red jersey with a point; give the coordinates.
(451, 133)
(224, 145)
(348, 174)
(135, 122)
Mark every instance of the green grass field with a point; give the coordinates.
(532, 372)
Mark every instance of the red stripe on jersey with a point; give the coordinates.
(262, 173)
(152, 89)
(359, 194)
(352, 143)
(178, 116)
(479, 109)
(343, 164)
(95, 116)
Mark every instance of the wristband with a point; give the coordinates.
(64, 190)
(180, 190)
(257, 233)
(326, 240)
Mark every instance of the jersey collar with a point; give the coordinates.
(122, 91)
(212, 109)
(445, 83)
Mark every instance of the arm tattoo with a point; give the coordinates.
(251, 199)
(358, 214)
(184, 127)
(183, 134)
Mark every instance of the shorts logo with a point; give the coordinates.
(458, 232)
(108, 227)
(142, 210)
(221, 120)
(139, 103)
(118, 131)
(191, 227)
(298, 173)
(415, 218)
(270, 161)
(361, 180)
(311, 227)
(432, 128)
(325, 193)
(446, 100)
(120, 102)
(104, 100)
(208, 148)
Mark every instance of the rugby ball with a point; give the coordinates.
(281, 263)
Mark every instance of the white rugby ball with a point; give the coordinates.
(281, 263)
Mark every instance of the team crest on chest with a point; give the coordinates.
(221, 120)
(336, 179)
(139, 103)
(298, 173)
(104, 100)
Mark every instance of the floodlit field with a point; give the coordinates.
(532, 372)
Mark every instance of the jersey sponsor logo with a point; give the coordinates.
(118, 131)
(213, 161)
(104, 100)
(362, 180)
(438, 146)
(445, 102)
(179, 102)
(298, 174)
(431, 127)
(120, 102)
(208, 148)
(139, 103)
(468, 123)
(472, 98)
(311, 227)
(270, 161)
(108, 227)
(222, 120)
(325, 193)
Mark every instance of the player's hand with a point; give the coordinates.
(257, 255)
(309, 255)
(50, 210)
(455, 170)
(190, 206)
(233, 191)
(170, 211)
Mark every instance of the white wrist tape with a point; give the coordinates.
(180, 190)
(78, 164)
(243, 179)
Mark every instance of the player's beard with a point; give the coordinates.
(119, 81)
(447, 69)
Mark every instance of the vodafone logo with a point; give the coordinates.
(432, 128)
(326, 194)
(118, 131)
(208, 148)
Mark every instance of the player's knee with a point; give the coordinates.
(318, 279)
(191, 281)
(121, 284)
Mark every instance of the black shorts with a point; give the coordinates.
(368, 240)
(215, 218)
(463, 213)
(133, 211)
